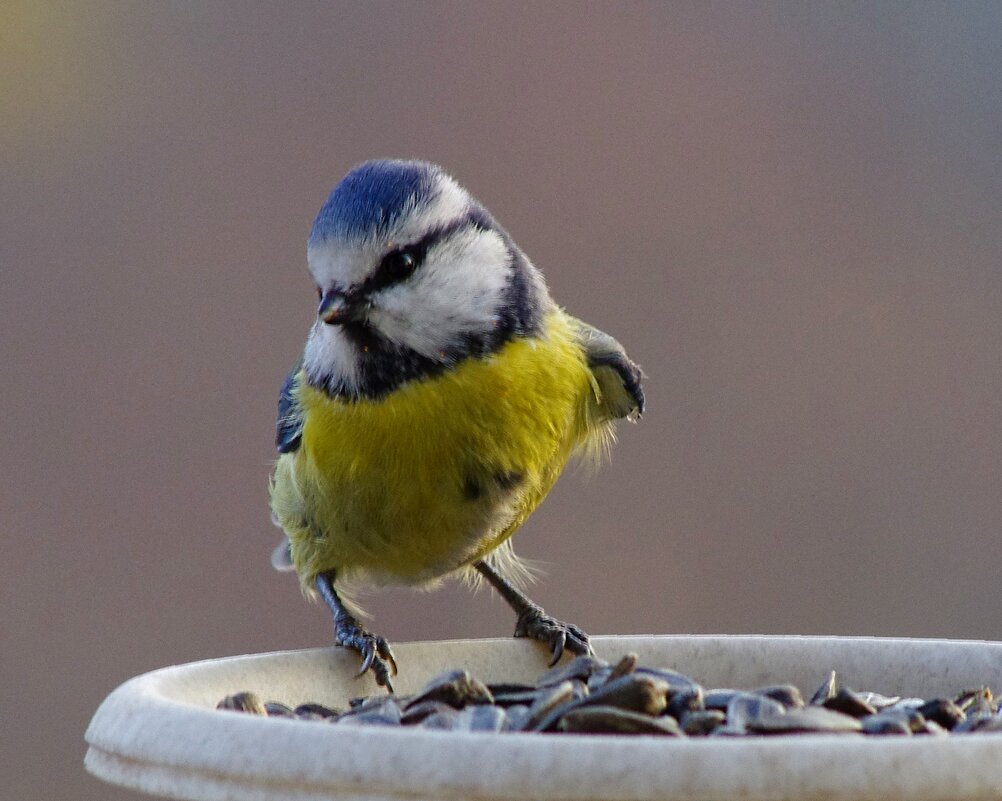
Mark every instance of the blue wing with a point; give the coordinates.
(618, 376)
(289, 426)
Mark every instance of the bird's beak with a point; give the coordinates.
(335, 308)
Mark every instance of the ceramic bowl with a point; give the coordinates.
(161, 734)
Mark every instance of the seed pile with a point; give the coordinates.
(590, 696)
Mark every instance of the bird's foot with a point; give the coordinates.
(536, 624)
(376, 653)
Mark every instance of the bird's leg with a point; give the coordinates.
(349, 633)
(533, 621)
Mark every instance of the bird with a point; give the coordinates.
(440, 394)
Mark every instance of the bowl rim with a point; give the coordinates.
(159, 733)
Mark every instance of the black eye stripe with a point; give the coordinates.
(400, 263)
(396, 266)
(387, 365)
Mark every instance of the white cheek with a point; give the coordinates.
(328, 352)
(456, 291)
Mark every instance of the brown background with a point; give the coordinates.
(788, 213)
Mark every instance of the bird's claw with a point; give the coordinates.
(376, 653)
(536, 624)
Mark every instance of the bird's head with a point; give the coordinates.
(413, 275)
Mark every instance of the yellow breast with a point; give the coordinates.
(442, 470)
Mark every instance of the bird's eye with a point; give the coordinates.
(398, 265)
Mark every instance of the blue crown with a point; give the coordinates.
(371, 198)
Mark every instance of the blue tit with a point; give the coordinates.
(440, 394)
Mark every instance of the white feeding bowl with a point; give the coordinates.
(160, 732)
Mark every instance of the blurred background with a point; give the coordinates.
(789, 213)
